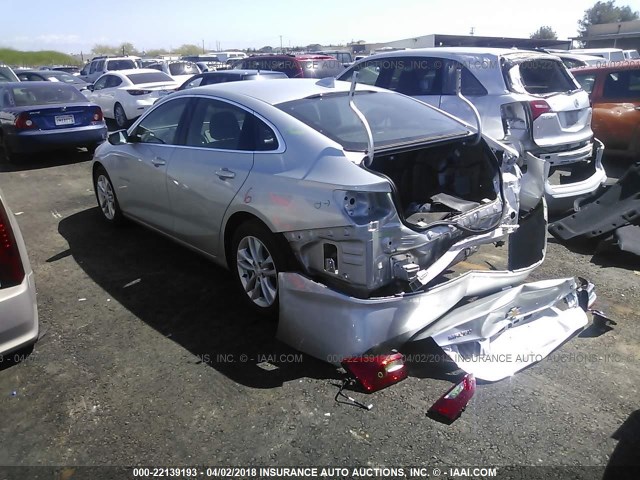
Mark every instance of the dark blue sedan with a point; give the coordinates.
(40, 116)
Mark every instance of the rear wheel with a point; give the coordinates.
(106, 196)
(256, 258)
(120, 116)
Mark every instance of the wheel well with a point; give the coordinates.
(95, 168)
(238, 219)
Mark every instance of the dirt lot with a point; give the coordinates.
(140, 362)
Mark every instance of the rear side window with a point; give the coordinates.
(624, 84)
(408, 75)
(539, 76)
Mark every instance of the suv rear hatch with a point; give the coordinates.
(561, 113)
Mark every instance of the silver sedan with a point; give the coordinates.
(343, 208)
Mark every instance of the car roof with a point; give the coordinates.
(273, 93)
(621, 65)
(452, 52)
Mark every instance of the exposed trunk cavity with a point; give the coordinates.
(439, 184)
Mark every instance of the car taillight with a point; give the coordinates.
(139, 92)
(376, 372)
(11, 269)
(96, 114)
(452, 404)
(538, 107)
(24, 122)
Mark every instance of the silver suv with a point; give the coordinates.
(525, 98)
(100, 65)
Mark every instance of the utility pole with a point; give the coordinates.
(280, 43)
(203, 46)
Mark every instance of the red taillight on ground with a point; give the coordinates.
(96, 114)
(538, 107)
(11, 269)
(139, 92)
(453, 403)
(24, 122)
(376, 372)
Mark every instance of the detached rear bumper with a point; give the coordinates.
(561, 197)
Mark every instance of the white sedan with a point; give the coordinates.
(18, 309)
(124, 95)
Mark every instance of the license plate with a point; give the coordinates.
(65, 120)
(571, 117)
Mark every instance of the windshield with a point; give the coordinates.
(7, 75)
(394, 119)
(151, 77)
(183, 68)
(538, 76)
(47, 94)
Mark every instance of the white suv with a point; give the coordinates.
(101, 65)
(526, 99)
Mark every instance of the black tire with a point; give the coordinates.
(120, 116)
(6, 154)
(106, 197)
(264, 285)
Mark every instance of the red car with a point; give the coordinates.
(614, 90)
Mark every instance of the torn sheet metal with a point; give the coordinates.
(603, 212)
(498, 335)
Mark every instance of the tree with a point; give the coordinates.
(544, 33)
(605, 12)
(101, 49)
(127, 48)
(156, 52)
(188, 49)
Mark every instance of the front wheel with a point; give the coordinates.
(256, 259)
(106, 196)
(120, 116)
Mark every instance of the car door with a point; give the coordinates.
(141, 165)
(616, 113)
(95, 93)
(205, 175)
(108, 95)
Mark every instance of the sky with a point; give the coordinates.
(75, 26)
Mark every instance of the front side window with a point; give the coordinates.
(623, 85)
(196, 82)
(101, 83)
(161, 125)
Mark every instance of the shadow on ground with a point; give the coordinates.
(185, 298)
(624, 463)
(46, 160)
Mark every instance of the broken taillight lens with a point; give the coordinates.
(375, 372)
(11, 269)
(453, 403)
(538, 107)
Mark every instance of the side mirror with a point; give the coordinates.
(89, 87)
(118, 138)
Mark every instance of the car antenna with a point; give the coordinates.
(362, 118)
(471, 105)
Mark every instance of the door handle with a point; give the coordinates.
(225, 174)
(158, 162)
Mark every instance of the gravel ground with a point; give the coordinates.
(134, 365)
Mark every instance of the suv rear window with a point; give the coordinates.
(538, 76)
(120, 64)
(183, 68)
(394, 120)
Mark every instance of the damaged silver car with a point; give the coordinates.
(347, 210)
